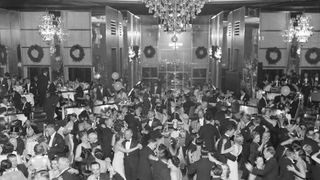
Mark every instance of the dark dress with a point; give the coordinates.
(84, 165)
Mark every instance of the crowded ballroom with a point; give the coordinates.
(159, 89)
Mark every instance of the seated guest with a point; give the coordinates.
(7, 173)
(83, 156)
(55, 142)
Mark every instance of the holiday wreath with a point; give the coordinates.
(39, 51)
(3, 54)
(75, 48)
(201, 52)
(149, 51)
(313, 55)
(270, 55)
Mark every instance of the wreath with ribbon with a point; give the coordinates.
(310, 55)
(201, 52)
(149, 51)
(269, 58)
(79, 48)
(3, 54)
(39, 50)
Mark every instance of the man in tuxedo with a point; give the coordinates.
(153, 123)
(202, 167)
(26, 107)
(271, 167)
(225, 143)
(42, 87)
(144, 169)
(102, 92)
(56, 143)
(209, 132)
(156, 89)
(28, 87)
(131, 160)
(65, 170)
(262, 103)
(50, 106)
(17, 167)
(105, 135)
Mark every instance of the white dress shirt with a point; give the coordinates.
(51, 139)
(128, 144)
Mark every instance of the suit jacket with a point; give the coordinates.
(58, 146)
(26, 109)
(210, 135)
(134, 154)
(223, 158)
(43, 84)
(270, 170)
(23, 169)
(134, 124)
(17, 100)
(245, 98)
(262, 104)
(105, 137)
(285, 174)
(202, 168)
(155, 123)
(144, 170)
(30, 88)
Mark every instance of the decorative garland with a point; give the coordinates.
(3, 55)
(269, 58)
(311, 51)
(81, 53)
(40, 53)
(201, 52)
(149, 51)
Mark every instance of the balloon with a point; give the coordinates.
(117, 86)
(115, 76)
(285, 90)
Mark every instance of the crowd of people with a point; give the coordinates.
(157, 134)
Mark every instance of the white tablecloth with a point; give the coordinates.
(76, 110)
(97, 109)
(30, 98)
(68, 95)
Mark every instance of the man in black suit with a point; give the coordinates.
(209, 132)
(26, 107)
(42, 87)
(65, 170)
(244, 97)
(202, 167)
(16, 100)
(271, 167)
(56, 143)
(50, 106)
(102, 92)
(285, 162)
(105, 135)
(225, 143)
(152, 123)
(144, 169)
(262, 103)
(17, 167)
(29, 87)
(131, 160)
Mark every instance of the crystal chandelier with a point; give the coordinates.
(175, 15)
(51, 29)
(299, 30)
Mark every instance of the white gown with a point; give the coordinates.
(233, 165)
(118, 163)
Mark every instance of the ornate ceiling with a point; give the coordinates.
(136, 6)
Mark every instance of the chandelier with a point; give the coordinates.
(175, 15)
(51, 30)
(299, 30)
